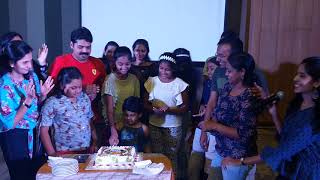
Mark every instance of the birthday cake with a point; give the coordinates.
(114, 155)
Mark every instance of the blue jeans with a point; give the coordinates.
(230, 172)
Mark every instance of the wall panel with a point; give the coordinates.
(281, 34)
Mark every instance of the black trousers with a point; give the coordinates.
(14, 145)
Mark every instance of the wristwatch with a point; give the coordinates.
(242, 161)
(43, 68)
(26, 105)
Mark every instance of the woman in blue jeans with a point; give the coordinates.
(234, 123)
(298, 154)
(20, 94)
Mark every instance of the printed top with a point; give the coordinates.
(11, 96)
(235, 112)
(70, 121)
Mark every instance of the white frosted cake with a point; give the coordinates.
(111, 155)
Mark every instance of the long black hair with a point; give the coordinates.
(144, 43)
(312, 68)
(110, 43)
(184, 64)
(6, 38)
(12, 53)
(65, 76)
(244, 61)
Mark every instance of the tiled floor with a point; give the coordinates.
(266, 136)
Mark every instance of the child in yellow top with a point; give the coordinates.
(118, 86)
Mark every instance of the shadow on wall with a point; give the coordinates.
(280, 80)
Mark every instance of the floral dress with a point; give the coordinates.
(70, 121)
(11, 96)
(235, 112)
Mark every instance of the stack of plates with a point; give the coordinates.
(64, 167)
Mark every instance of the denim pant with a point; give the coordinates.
(230, 172)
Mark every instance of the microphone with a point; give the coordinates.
(274, 98)
(260, 104)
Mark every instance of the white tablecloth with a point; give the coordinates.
(107, 175)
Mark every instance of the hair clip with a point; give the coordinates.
(167, 58)
(183, 55)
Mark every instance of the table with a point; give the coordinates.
(45, 171)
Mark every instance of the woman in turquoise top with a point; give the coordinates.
(20, 94)
(298, 154)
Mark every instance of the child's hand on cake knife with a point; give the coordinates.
(113, 141)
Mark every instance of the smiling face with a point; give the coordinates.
(123, 65)
(234, 76)
(223, 52)
(73, 89)
(165, 71)
(24, 65)
(303, 82)
(81, 49)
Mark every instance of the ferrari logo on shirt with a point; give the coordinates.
(94, 71)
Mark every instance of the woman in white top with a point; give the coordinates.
(166, 98)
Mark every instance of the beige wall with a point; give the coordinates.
(280, 34)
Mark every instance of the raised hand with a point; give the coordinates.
(30, 91)
(42, 55)
(47, 86)
(257, 91)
